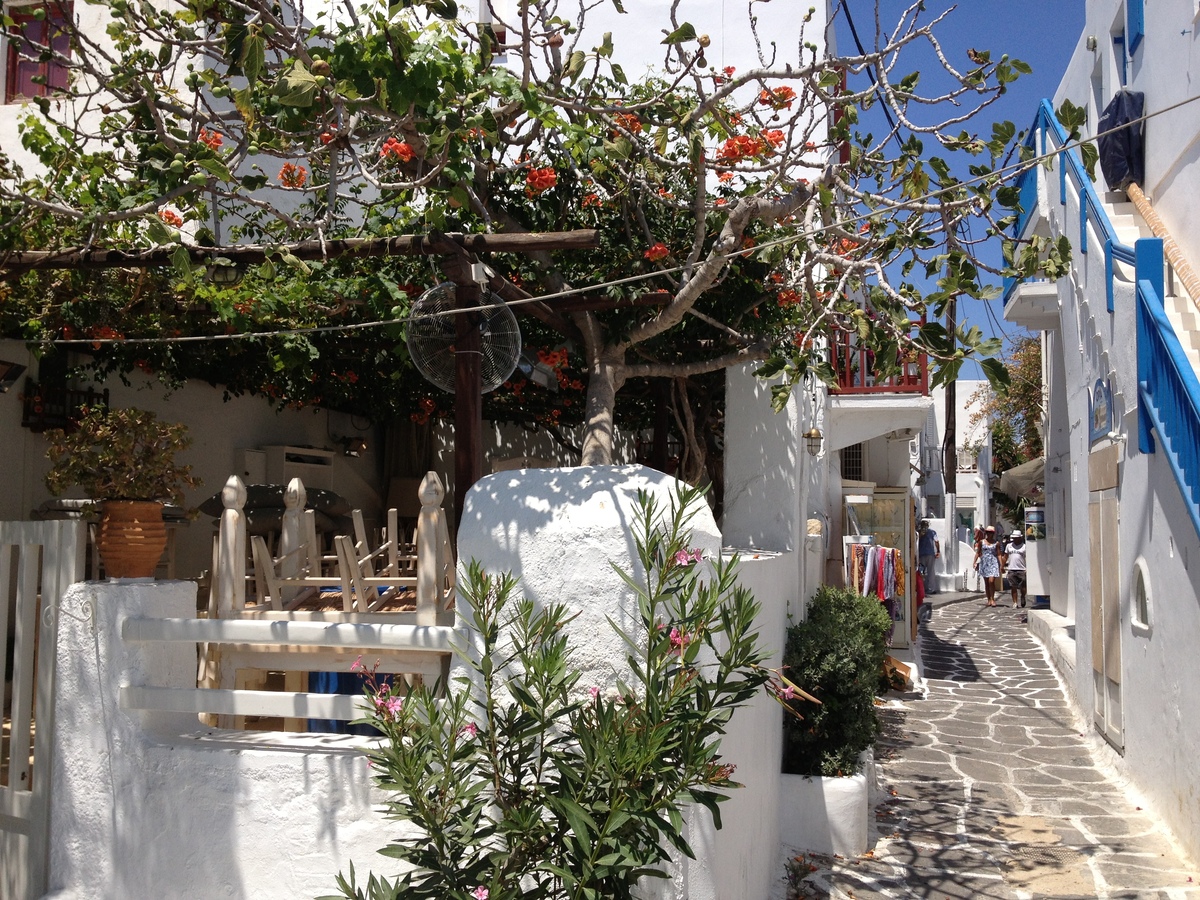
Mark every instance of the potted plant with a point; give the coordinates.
(124, 459)
(837, 653)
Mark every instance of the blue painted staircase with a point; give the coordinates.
(1168, 389)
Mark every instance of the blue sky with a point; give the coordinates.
(1043, 33)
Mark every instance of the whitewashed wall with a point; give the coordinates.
(171, 810)
(561, 531)
(1160, 686)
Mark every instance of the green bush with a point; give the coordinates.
(836, 655)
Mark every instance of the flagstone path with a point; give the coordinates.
(988, 788)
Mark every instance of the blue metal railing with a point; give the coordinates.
(1168, 389)
(1091, 211)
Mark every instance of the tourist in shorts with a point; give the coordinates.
(1014, 561)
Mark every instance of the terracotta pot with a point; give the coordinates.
(131, 537)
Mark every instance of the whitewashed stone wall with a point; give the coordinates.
(558, 530)
(162, 808)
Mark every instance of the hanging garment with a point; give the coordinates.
(1122, 155)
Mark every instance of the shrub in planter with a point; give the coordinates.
(836, 654)
(124, 459)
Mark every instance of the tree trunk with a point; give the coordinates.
(606, 375)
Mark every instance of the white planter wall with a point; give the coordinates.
(174, 810)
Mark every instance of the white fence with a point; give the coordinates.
(38, 561)
(240, 643)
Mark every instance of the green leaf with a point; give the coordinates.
(243, 99)
(216, 168)
(296, 86)
(295, 262)
(996, 372)
(771, 367)
(158, 233)
(575, 64)
(581, 823)
(181, 262)
(684, 32)
(254, 57)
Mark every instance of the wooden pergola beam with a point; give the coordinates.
(254, 254)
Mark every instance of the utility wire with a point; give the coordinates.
(1007, 173)
(887, 113)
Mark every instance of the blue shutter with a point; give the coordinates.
(1136, 23)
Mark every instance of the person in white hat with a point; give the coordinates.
(1014, 562)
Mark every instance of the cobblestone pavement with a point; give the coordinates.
(988, 788)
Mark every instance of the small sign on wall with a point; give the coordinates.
(1100, 414)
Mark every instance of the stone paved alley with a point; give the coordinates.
(988, 786)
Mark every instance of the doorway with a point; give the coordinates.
(1103, 519)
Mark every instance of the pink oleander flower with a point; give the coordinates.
(788, 693)
(357, 665)
(470, 729)
(593, 692)
(679, 641)
(480, 893)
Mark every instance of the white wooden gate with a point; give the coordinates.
(38, 560)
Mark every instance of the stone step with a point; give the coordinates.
(1183, 314)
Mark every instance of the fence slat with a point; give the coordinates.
(430, 638)
(244, 703)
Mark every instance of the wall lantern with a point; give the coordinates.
(353, 446)
(813, 439)
(223, 273)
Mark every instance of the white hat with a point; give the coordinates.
(1017, 533)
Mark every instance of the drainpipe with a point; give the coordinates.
(950, 447)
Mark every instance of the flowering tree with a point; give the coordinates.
(752, 214)
(1012, 412)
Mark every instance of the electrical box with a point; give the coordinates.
(311, 465)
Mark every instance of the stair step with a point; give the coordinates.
(1114, 197)
(1183, 313)
(1129, 235)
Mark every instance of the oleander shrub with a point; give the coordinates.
(524, 783)
(837, 655)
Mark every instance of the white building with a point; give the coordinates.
(1122, 480)
(955, 518)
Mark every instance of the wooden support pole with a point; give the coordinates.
(468, 384)
(1174, 255)
(247, 255)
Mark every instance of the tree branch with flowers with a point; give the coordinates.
(727, 190)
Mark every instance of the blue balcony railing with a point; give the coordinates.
(1168, 389)
(1091, 211)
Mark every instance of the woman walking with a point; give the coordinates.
(987, 559)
